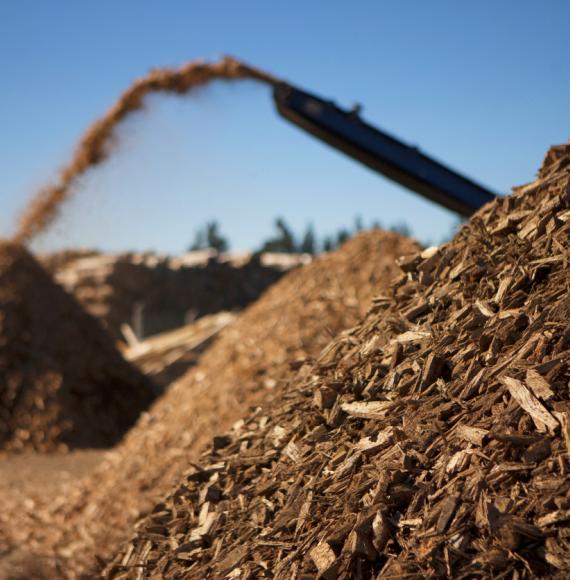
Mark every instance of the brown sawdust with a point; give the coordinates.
(97, 143)
(249, 362)
(62, 381)
(430, 441)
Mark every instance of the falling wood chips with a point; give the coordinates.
(471, 474)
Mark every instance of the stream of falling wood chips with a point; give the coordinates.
(96, 145)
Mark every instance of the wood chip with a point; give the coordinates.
(540, 415)
(473, 435)
(538, 385)
(367, 410)
(324, 559)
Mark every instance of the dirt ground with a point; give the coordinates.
(27, 475)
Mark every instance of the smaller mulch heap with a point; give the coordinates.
(432, 440)
(63, 384)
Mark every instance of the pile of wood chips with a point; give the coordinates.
(432, 440)
(62, 381)
(249, 362)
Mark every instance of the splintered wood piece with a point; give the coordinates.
(382, 530)
(304, 512)
(458, 462)
(412, 336)
(416, 310)
(367, 410)
(292, 451)
(564, 419)
(374, 443)
(361, 545)
(538, 385)
(233, 559)
(540, 415)
(447, 510)
(324, 397)
(474, 435)
(325, 560)
(484, 308)
(553, 518)
(432, 370)
(503, 288)
(557, 555)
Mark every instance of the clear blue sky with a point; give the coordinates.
(483, 86)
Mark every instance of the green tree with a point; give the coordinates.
(328, 244)
(209, 236)
(358, 224)
(215, 239)
(309, 243)
(401, 228)
(199, 242)
(284, 241)
(342, 236)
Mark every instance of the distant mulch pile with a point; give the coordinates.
(249, 362)
(153, 293)
(62, 382)
(430, 441)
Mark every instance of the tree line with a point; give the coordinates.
(285, 240)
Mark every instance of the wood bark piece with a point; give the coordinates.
(367, 410)
(538, 385)
(474, 435)
(325, 560)
(541, 417)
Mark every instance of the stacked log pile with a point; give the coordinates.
(432, 440)
(54, 262)
(249, 361)
(62, 382)
(155, 293)
(167, 356)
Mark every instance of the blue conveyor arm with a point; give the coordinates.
(406, 165)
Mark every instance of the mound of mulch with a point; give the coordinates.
(248, 363)
(63, 384)
(432, 440)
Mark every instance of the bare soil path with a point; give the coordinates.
(29, 475)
